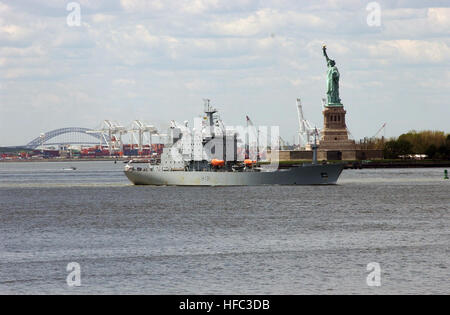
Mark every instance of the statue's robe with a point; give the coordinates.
(333, 85)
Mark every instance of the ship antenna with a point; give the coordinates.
(206, 104)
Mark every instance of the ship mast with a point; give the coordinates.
(209, 111)
(250, 123)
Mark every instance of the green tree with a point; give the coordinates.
(431, 151)
(443, 152)
(422, 140)
(394, 148)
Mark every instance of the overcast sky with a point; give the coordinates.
(156, 60)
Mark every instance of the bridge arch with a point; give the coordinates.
(44, 139)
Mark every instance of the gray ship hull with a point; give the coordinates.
(303, 175)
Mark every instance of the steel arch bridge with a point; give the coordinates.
(95, 137)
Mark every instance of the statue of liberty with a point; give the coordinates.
(332, 80)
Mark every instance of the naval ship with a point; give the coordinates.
(207, 155)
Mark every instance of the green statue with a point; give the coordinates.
(332, 80)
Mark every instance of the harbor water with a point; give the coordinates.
(221, 240)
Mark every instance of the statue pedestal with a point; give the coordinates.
(334, 133)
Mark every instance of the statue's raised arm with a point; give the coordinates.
(324, 48)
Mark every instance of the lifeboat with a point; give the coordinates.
(216, 162)
(249, 162)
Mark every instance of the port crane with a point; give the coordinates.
(109, 129)
(142, 128)
(283, 144)
(306, 130)
(251, 126)
(383, 128)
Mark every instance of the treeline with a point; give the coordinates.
(434, 144)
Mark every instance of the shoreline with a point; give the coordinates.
(283, 164)
(403, 165)
(377, 164)
(65, 160)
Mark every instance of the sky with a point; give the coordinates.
(156, 60)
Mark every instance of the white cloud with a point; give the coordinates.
(200, 6)
(46, 101)
(30, 51)
(171, 53)
(414, 23)
(13, 32)
(103, 18)
(191, 7)
(411, 51)
(404, 13)
(439, 19)
(26, 73)
(139, 5)
(124, 82)
(266, 21)
(4, 8)
(199, 85)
